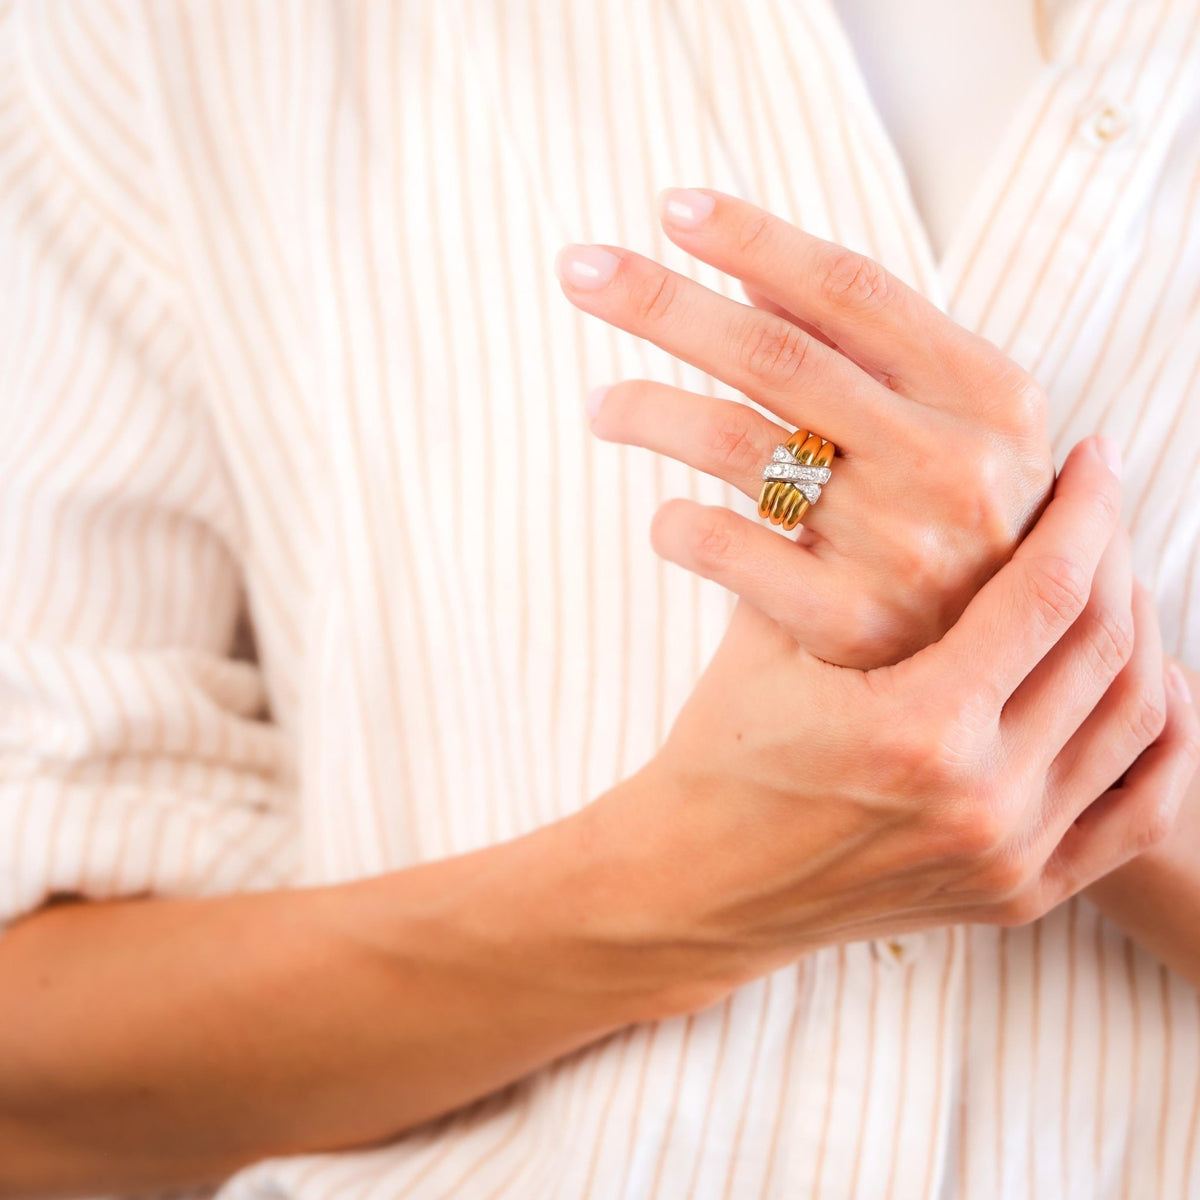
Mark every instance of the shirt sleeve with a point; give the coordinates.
(137, 754)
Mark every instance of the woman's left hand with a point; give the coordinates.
(943, 456)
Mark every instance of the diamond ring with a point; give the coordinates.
(793, 479)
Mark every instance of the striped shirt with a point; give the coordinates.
(310, 567)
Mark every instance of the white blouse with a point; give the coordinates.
(282, 352)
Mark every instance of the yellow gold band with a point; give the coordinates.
(783, 503)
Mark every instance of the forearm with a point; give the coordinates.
(153, 1042)
(1155, 897)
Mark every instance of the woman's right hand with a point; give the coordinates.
(796, 804)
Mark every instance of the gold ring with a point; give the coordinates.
(792, 480)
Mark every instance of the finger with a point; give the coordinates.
(1014, 620)
(1127, 820)
(790, 584)
(869, 314)
(1068, 684)
(1129, 717)
(763, 301)
(723, 438)
(769, 359)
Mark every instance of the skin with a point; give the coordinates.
(155, 1042)
(846, 329)
(869, 579)
(1155, 897)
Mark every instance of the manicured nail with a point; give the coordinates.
(586, 267)
(1110, 452)
(594, 399)
(685, 208)
(1180, 683)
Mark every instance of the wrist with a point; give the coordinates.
(632, 883)
(558, 929)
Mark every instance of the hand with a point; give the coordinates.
(943, 457)
(796, 803)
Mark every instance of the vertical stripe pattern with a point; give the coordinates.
(310, 568)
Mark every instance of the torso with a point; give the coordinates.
(463, 627)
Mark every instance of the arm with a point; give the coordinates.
(1155, 897)
(154, 1042)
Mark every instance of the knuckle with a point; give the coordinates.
(856, 281)
(933, 748)
(970, 837)
(1154, 823)
(946, 772)
(716, 541)
(1058, 590)
(983, 469)
(915, 749)
(868, 637)
(732, 444)
(1028, 405)
(929, 580)
(993, 517)
(774, 349)
(1107, 500)
(979, 833)
(653, 296)
(753, 233)
(974, 497)
(1149, 717)
(932, 760)
(1109, 637)
(967, 800)
(1024, 399)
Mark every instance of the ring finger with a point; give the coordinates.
(723, 438)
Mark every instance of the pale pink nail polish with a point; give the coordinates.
(594, 399)
(685, 208)
(588, 268)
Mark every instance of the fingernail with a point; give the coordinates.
(686, 208)
(1110, 452)
(586, 267)
(594, 399)
(1179, 680)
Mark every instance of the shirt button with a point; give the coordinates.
(898, 951)
(1104, 123)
